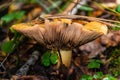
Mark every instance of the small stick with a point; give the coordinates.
(84, 17)
(79, 17)
(71, 6)
(31, 61)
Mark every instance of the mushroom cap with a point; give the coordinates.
(60, 34)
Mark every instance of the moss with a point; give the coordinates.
(115, 63)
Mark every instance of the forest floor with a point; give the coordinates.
(22, 58)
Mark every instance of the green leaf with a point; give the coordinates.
(8, 46)
(12, 30)
(33, 1)
(86, 77)
(115, 28)
(118, 8)
(13, 15)
(54, 58)
(109, 77)
(86, 8)
(46, 59)
(98, 75)
(94, 64)
(8, 18)
(28, 1)
(19, 14)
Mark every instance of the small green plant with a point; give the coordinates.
(28, 1)
(109, 77)
(9, 46)
(94, 63)
(118, 8)
(115, 28)
(86, 8)
(49, 58)
(54, 58)
(115, 63)
(98, 76)
(13, 16)
(86, 77)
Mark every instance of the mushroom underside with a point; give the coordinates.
(57, 35)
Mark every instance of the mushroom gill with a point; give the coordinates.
(59, 35)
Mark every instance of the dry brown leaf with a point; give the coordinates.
(98, 46)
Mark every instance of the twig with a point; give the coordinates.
(31, 61)
(85, 17)
(79, 4)
(71, 6)
(1, 63)
(74, 6)
(111, 11)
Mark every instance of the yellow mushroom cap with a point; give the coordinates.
(97, 26)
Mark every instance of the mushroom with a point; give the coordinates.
(62, 35)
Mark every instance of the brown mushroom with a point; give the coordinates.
(62, 34)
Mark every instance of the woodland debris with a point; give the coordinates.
(31, 61)
(98, 46)
(30, 77)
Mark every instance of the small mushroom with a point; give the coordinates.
(62, 34)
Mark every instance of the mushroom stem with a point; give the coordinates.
(65, 57)
(60, 57)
